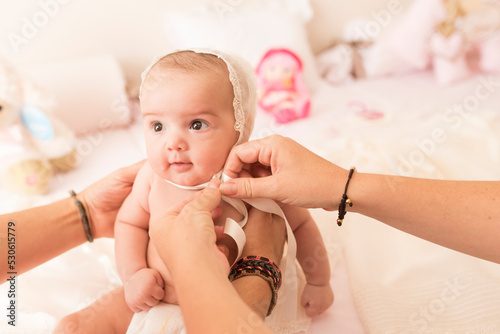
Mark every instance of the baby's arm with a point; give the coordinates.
(313, 257)
(143, 286)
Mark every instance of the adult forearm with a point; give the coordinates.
(42, 233)
(211, 305)
(461, 215)
(255, 292)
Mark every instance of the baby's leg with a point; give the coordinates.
(108, 314)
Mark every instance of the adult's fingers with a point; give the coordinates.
(244, 155)
(200, 200)
(250, 187)
(208, 200)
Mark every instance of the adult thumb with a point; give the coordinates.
(207, 201)
(248, 187)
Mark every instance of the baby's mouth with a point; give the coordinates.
(181, 166)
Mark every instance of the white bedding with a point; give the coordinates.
(421, 134)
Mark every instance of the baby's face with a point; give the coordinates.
(189, 125)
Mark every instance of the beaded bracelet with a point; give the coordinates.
(259, 266)
(83, 214)
(345, 200)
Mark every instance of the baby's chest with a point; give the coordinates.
(163, 196)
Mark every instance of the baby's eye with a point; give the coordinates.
(157, 126)
(198, 125)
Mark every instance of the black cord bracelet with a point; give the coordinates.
(85, 218)
(345, 200)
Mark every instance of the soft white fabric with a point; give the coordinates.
(247, 28)
(244, 88)
(163, 318)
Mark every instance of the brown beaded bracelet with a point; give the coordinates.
(345, 200)
(266, 269)
(85, 218)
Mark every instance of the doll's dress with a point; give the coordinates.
(286, 104)
(288, 316)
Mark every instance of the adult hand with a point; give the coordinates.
(186, 241)
(186, 232)
(285, 171)
(103, 199)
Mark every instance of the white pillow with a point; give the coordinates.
(89, 93)
(246, 28)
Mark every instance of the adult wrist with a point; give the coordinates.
(263, 268)
(345, 201)
(84, 217)
(332, 183)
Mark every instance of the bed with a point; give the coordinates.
(400, 122)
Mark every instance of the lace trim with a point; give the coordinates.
(239, 114)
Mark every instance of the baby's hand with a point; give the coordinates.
(144, 289)
(316, 299)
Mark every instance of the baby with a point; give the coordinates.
(196, 105)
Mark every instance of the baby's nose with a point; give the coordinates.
(176, 143)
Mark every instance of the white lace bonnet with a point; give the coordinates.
(244, 84)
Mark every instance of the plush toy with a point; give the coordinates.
(282, 93)
(33, 143)
(446, 34)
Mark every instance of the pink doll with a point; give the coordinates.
(282, 92)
